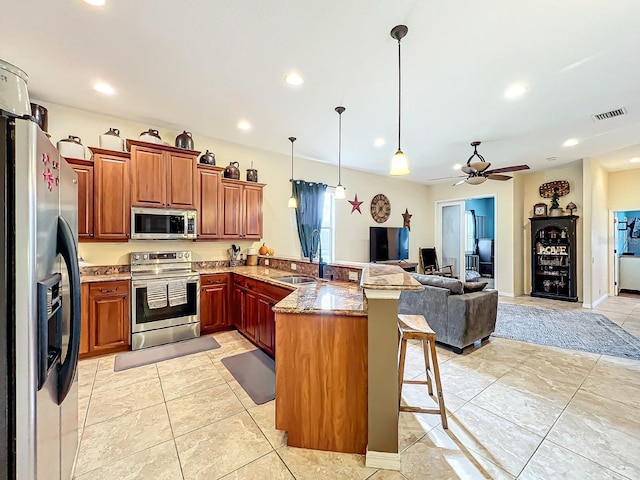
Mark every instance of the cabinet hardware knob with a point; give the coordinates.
(91, 235)
(103, 290)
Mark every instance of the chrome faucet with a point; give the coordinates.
(321, 265)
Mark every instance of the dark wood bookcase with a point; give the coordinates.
(553, 257)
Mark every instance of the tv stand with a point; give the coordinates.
(407, 266)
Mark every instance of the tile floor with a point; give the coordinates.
(515, 410)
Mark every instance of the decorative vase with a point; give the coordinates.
(556, 212)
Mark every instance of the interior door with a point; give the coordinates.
(450, 235)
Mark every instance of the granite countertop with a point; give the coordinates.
(104, 277)
(342, 298)
(388, 277)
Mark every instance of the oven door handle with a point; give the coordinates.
(144, 283)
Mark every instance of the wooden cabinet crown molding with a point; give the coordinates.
(160, 146)
(242, 182)
(111, 153)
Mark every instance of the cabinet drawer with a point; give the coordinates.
(120, 287)
(217, 278)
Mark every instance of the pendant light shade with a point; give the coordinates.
(399, 163)
(292, 199)
(340, 190)
(476, 180)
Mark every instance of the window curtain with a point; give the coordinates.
(310, 198)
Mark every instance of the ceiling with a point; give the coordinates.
(206, 64)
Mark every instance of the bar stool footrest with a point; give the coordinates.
(419, 410)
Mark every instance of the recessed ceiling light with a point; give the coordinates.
(515, 91)
(294, 79)
(244, 125)
(457, 166)
(572, 142)
(104, 88)
(95, 3)
(635, 160)
(379, 142)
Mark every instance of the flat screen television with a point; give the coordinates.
(388, 243)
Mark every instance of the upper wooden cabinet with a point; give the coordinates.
(84, 170)
(163, 176)
(242, 215)
(104, 211)
(209, 202)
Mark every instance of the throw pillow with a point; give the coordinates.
(474, 286)
(452, 284)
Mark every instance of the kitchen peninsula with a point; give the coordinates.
(334, 392)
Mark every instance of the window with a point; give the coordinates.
(327, 232)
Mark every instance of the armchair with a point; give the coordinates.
(429, 264)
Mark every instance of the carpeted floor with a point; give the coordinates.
(588, 332)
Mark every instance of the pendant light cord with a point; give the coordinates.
(399, 94)
(339, 149)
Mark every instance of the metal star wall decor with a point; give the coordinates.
(355, 204)
(407, 219)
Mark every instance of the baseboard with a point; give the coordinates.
(386, 460)
(506, 294)
(597, 302)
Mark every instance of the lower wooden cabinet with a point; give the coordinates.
(253, 315)
(105, 324)
(214, 293)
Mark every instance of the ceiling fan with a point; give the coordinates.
(477, 169)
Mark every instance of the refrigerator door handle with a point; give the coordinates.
(67, 248)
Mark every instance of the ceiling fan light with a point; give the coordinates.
(292, 202)
(480, 166)
(340, 192)
(475, 180)
(399, 164)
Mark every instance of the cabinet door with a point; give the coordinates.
(251, 312)
(209, 204)
(148, 176)
(84, 319)
(181, 180)
(252, 203)
(213, 305)
(231, 219)
(238, 307)
(85, 200)
(108, 318)
(112, 220)
(266, 324)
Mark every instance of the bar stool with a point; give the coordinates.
(415, 327)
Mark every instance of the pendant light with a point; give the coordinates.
(399, 163)
(292, 199)
(340, 190)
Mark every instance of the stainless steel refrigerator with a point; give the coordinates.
(39, 306)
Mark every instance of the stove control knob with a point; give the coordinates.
(186, 255)
(136, 257)
(145, 257)
(179, 254)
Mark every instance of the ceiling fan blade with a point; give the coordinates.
(460, 182)
(445, 178)
(513, 168)
(468, 170)
(495, 176)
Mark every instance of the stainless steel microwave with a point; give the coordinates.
(160, 224)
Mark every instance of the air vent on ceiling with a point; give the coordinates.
(613, 113)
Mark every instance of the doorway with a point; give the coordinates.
(626, 253)
(480, 237)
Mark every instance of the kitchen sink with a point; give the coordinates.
(297, 280)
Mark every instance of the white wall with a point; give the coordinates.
(352, 230)
(596, 233)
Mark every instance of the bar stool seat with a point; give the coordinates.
(415, 327)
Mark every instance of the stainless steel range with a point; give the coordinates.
(165, 301)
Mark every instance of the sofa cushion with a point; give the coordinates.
(452, 284)
(469, 287)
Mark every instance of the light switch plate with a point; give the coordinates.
(266, 262)
(353, 276)
(294, 266)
